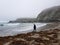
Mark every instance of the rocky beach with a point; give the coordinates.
(29, 22)
(46, 36)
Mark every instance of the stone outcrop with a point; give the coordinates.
(24, 20)
(50, 15)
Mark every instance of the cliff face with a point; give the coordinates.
(24, 20)
(50, 15)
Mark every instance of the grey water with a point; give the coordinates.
(10, 29)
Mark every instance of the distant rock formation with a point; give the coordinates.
(24, 20)
(50, 15)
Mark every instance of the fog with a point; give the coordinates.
(13, 9)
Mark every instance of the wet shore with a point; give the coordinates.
(47, 37)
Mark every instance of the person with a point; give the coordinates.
(34, 27)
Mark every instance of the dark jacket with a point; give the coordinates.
(34, 27)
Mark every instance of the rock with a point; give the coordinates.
(42, 44)
(45, 38)
(50, 15)
(58, 35)
(52, 35)
(35, 36)
(20, 42)
(55, 44)
(1, 43)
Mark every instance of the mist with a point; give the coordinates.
(13, 9)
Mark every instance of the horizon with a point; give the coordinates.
(13, 9)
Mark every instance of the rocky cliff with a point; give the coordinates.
(23, 20)
(50, 15)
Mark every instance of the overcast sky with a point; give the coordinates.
(12, 9)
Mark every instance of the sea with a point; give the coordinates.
(10, 29)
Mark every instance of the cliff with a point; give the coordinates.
(24, 20)
(50, 15)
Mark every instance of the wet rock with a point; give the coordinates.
(19, 43)
(42, 44)
(45, 38)
(55, 44)
(1, 43)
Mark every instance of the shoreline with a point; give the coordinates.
(43, 28)
(16, 31)
(44, 37)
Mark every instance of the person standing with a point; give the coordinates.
(34, 28)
